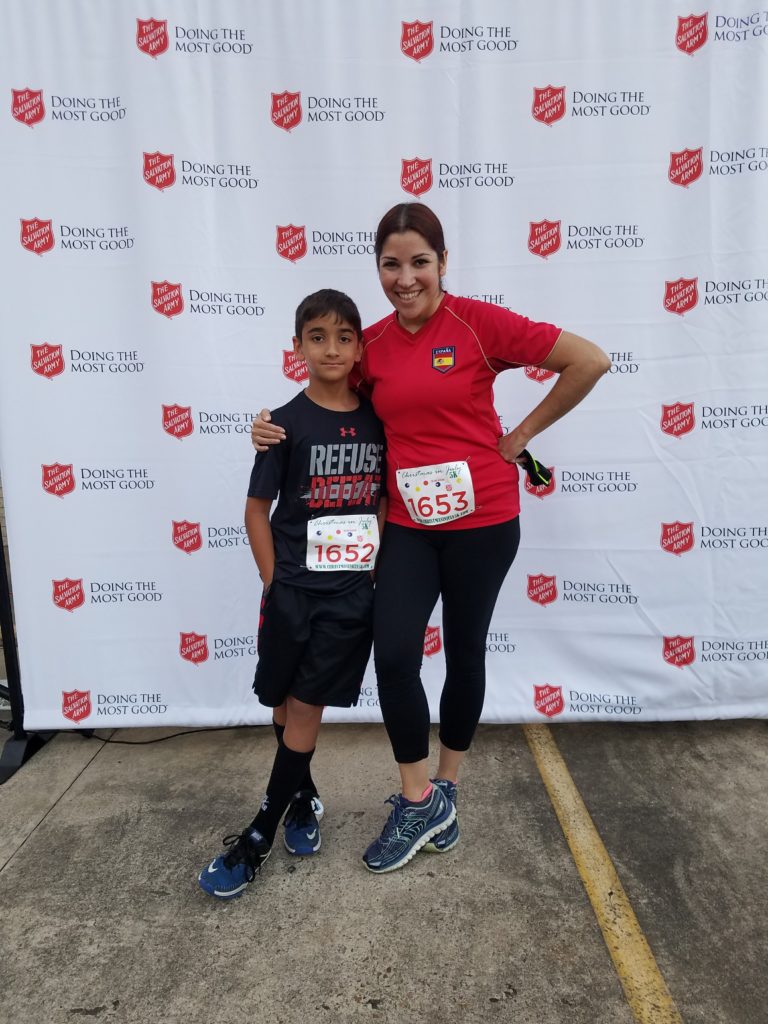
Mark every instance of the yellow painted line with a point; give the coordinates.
(646, 991)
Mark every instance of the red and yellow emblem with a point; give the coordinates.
(443, 359)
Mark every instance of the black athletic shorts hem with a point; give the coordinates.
(314, 647)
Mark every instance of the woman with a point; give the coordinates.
(452, 525)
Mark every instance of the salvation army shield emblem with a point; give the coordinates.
(417, 39)
(76, 704)
(433, 643)
(548, 700)
(542, 490)
(538, 373)
(677, 537)
(47, 360)
(544, 237)
(58, 479)
(542, 589)
(187, 536)
(691, 33)
(291, 241)
(679, 650)
(678, 419)
(286, 110)
(177, 420)
(68, 594)
(152, 36)
(167, 298)
(27, 106)
(159, 171)
(37, 235)
(193, 647)
(681, 295)
(548, 104)
(686, 166)
(416, 176)
(294, 368)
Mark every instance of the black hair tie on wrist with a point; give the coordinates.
(538, 475)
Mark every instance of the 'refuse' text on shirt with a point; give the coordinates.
(343, 459)
(344, 475)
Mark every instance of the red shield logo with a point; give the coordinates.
(37, 235)
(432, 641)
(68, 594)
(193, 647)
(167, 298)
(542, 589)
(152, 36)
(47, 360)
(678, 419)
(681, 295)
(76, 704)
(416, 176)
(58, 479)
(543, 490)
(291, 242)
(677, 537)
(691, 32)
(544, 237)
(686, 166)
(294, 368)
(187, 536)
(417, 40)
(679, 650)
(159, 170)
(27, 106)
(177, 420)
(286, 109)
(539, 374)
(549, 104)
(548, 700)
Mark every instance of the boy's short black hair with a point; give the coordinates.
(326, 301)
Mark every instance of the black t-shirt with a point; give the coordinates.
(331, 464)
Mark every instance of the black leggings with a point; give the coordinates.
(466, 568)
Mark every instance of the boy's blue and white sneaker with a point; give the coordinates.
(229, 874)
(302, 830)
(408, 828)
(448, 839)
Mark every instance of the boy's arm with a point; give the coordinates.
(259, 532)
(381, 515)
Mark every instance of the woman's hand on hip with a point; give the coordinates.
(264, 432)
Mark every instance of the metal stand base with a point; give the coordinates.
(18, 750)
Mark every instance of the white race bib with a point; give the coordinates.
(342, 542)
(437, 494)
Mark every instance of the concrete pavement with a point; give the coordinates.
(102, 918)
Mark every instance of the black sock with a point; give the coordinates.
(308, 782)
(288, 771)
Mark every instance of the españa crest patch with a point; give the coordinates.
(443, 359)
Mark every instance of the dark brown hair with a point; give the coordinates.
(326, 301)
(410, 217)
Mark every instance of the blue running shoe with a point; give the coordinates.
(302, 832)
(448, 839)
(408, 828)
(228, 874)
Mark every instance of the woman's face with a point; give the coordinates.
(410, 272)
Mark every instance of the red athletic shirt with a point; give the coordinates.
(433, 391)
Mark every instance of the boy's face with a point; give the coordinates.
(329, 346)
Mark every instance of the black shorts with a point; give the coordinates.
(314, 647)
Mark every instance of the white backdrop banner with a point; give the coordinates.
(178, 176)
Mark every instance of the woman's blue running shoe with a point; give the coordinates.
(230, 873)
(408, 828)
(448, 839)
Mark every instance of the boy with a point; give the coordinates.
(315, 558)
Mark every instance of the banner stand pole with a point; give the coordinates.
(21, 745)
